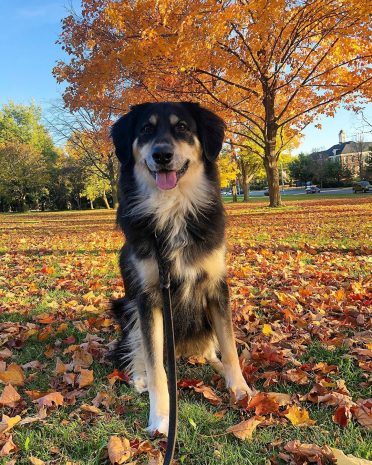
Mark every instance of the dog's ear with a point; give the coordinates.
(122, 133)
(211, 129)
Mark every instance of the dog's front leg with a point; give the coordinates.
(222, 325)
(151, 319)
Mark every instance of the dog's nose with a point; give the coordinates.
(162, 155)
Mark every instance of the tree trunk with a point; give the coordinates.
(91, 204)
(113, 181)
(271, 157)
(234, 191)
(245, 190)
(272, 172)
(105, 200)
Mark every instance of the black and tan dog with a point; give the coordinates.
(170, 193)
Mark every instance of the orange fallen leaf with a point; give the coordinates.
(245, 429)
(85, 378)
(342, 415)
(50, 400)
(36, 461)
(118, 375)
(363, 412)
(209, 394)
(35, 394)
(305, 453)
(60, 368)
(119, 450)
(7, 423)
(298, 416)
(342, 459)
(91, 409)
(9, 397)
(81, 359)
(14, 375)
(8, 447)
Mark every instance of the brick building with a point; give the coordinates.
(352, 154)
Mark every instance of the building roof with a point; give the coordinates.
(345, 147)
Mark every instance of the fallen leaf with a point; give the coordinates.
(5, 353)
(309, 453)
(268, 402)
(298, 416)
(81, 359)
(119, 450)
(9, 397)
(36, 461)
(209, 394)
(50, 400)
(244, 430)
(117, 375)
(8, 447)
(363, 412)
(7, 423)
(85, 378)
(91, 409)
(267, 330)
(343, 459)
(342, 415)
(14, 375)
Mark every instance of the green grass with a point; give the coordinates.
(287, 198)
(81, 261)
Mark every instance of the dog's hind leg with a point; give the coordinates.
(222, 325)
(151, 319)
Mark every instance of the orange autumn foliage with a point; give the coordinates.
(268, 66)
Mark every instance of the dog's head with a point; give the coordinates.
(166, 142)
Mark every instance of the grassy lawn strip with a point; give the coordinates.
(298, 277)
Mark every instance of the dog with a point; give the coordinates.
(170, 195)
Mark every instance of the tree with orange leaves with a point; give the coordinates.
(268, 67)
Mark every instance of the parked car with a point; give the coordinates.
(312, 190)
(362, 186)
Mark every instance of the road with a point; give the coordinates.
(301, 191)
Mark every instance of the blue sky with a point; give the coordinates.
(28, 31)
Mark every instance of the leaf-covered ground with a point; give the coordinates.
(299, 280)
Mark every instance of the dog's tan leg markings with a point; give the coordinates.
(233, 374)
(211, 356)
(156, 377)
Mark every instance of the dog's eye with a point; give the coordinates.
(148, 128)
(181, 127)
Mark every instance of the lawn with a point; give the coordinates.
(299, 278)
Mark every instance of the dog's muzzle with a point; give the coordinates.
(168, 179)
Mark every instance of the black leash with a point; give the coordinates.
(164, 276)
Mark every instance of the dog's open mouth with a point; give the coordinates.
(168, 179)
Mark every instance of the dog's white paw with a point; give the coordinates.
(240, 389)
(140, 383)
(158, 423)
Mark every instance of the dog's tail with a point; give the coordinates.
(123, 311)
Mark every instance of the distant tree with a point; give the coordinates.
(250, 165)
(228, 169)
(86, 136)
(23, 124)
(301, 168)
(96, 187)
(23, 176)
(335, 174)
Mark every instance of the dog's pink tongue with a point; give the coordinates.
(166, 179)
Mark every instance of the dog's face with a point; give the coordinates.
(167, 141)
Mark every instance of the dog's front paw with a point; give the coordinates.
(240, 389)
(140, 383)
(158, 424)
